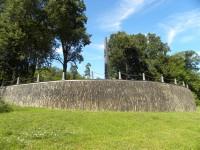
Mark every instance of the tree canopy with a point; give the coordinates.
(133, 55)
(30, 29)
(87, 70)
(25, 39)
(68, 22)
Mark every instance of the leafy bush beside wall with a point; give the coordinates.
(4, 107)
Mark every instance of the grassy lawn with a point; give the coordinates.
(33, 128)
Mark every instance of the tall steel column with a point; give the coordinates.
(106, 58)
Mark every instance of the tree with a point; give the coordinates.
(25, 38)
(135, 54)
(155, 55)
(54, 74)
(117, 61)
(49, 74)
(87, 70)
(187, 69)
(74, 71)
(2, 2)
(191, 59)
(68, 20)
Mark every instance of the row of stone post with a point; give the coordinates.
(162, 79)
(119, 75)
(38, 78)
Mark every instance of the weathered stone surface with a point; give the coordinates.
(115, 95)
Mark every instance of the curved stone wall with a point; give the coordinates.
(114, 95)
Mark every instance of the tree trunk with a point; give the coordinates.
(65, 68)
(65, 57)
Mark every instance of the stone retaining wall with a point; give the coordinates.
(113, 95)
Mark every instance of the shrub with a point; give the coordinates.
(4, 107)
(197, 101)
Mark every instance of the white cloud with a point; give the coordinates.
(113, 20)
(171, 35)
(180, 23)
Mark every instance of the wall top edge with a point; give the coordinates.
(60, 81)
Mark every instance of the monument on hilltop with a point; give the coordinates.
(106, 53)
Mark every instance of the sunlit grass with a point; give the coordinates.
(33, 128)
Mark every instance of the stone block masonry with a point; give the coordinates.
(102, 95)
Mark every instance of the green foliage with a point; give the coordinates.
(137, 54)
(25, 39)
(197, 100)
(33, 128)
(188, 69)
(74, 71)
(68, 20)
(55, 74)
(29, 30)
(4, 107)
(87, 70)
(71, 76)
(49, 74)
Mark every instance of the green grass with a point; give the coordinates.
(31, 128)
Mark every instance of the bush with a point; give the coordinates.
(197, 100)
(4, 107)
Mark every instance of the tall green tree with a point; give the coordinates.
(68, 22)
(135, 54)
(25, 38)
(87, 70)
(189, 70)
(155, 55)
(117, 61)
(74, 71)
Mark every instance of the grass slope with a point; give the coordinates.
(32, 128)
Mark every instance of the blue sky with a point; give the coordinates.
(177, 22)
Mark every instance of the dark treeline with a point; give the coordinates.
(30, 31)
(133, 55)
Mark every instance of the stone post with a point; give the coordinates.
(175, 81)
(162, 79)
(120, 76)
(18, 81)
(63, 76)
(143, 76)
(183, 83)
(38, 78)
